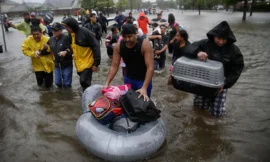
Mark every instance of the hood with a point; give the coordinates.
(222, 30)
(142, 14)
(72, 23)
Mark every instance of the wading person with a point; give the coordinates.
(86, 51)
(220, 47)
(173, 28)
(180, 44)
(94, 26)
(143, 22)
(111, 41)
(42, 59)
(25, 27)
(160, 54)
(138, 56)
(60, 47)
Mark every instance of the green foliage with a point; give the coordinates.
(122, 4)
(96, 4)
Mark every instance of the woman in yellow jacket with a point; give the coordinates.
(35, 46)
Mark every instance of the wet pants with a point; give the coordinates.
(85, 78)
(110, 51)
(216, 106)
(44, 78)
(135, 85)
(64, 73)
(159, 63)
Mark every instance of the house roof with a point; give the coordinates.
(11, 2)
(63, 3)
(20, 8)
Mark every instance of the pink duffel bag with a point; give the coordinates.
(115, 92)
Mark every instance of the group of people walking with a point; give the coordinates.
(130, 46)
(141, 59)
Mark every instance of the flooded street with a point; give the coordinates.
(39, 125)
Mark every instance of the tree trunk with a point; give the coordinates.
(251, 8)
(245, 11)
(199, 8)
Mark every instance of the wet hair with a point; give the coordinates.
(171, 19)
(26, 14)
(113, 29)
(183, 34)
(162, 25)
(92, 15)
(35, 22)
(35, 29)
(129, 21)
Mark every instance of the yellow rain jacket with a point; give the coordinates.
(44, 62)
(86, 48)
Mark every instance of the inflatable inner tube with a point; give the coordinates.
(110, 145)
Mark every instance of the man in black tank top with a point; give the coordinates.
(138, 56)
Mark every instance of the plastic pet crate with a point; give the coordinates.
(204, 78)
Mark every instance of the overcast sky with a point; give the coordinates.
(41, 1)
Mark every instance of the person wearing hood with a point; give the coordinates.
(60, 47)
(25, 27)
(103, 22)
(219, 47)
(94, 26)
(143, 21)
(86, 51)
(35, 47)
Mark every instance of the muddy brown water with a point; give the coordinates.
(39, 125)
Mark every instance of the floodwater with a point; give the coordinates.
(39, 125)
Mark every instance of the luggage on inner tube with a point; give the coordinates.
(204, 78)
(123, 124)
(137, 109)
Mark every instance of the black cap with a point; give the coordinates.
(128, 29)
(56, 26)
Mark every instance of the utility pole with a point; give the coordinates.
(182, 6)
(2, 24)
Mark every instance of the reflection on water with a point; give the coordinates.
(38, 124)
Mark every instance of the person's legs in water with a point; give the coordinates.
(104, 29)
(156, 63)
(201, 102)
(67, 76)
(48, 78)
(58, 77)
(162, 62)
(85, 78)
(110, 52)
(135, 85)
(39, 77)
(217, 107)
(170, 48)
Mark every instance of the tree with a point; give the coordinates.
(251, 7)
(89, 4)
(245, 10)
(199, 3)
(138, 4)
(122, 4)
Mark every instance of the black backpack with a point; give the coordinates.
(137, 109)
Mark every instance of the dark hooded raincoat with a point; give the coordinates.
(229, 54)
